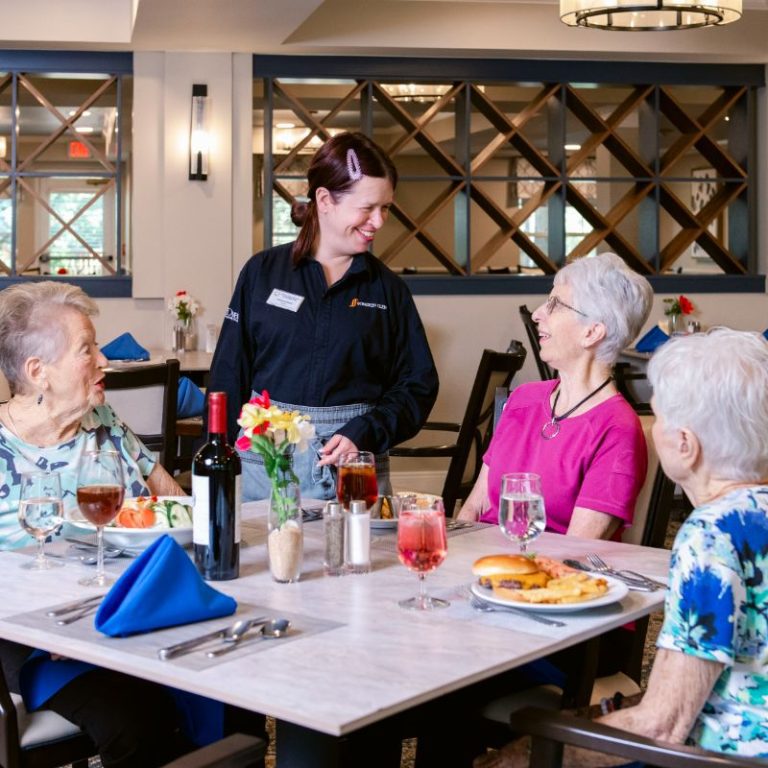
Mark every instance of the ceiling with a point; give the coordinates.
(468, 28)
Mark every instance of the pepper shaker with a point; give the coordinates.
(358, 537)
(333, 529)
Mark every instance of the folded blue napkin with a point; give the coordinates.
(125, 347)
(190, 401)
(765, 334)
(161, 588)
(652, 340)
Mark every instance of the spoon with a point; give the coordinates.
(271, 630)
(228, 635)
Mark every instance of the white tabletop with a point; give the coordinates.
(376, 659)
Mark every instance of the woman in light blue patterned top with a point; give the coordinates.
(49, 355)
(709, 683)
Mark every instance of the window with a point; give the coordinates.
(65, 138)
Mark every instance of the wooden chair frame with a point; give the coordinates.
(167, 375)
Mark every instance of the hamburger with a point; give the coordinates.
(510, 572)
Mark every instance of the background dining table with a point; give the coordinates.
(353, 657)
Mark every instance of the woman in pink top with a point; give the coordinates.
(577, 432)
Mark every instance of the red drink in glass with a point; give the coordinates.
(100, 503)
(357, 481)
(421, 539)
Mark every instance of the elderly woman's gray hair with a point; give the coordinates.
(608, 291)
(716, 385)
(30, 326)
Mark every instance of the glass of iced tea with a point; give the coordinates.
(422, 546)
(100, 490)
(357, 478)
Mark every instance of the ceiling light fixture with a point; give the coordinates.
(419, 93)
(639, 16)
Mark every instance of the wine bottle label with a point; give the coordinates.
(201, 532)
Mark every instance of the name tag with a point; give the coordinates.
(285, 300)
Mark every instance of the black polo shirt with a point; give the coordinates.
(358, 341)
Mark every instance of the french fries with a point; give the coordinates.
(573, 588)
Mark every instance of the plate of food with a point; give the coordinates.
(538, 583)
(384, 511)
(143, 519)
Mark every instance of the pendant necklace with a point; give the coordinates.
(551, 428)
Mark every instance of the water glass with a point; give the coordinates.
(41, 513)
(521, 507)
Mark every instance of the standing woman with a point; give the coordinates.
(327, 329)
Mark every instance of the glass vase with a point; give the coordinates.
(285, 540)
(181, 332)
(676, 324)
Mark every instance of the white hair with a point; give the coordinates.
(31, 325)
(606, 290)
(716, 385)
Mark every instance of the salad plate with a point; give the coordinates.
(172, 515)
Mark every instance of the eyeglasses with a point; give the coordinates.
(553, 303)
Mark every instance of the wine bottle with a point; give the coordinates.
(216, 473)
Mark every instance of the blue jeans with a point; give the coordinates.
(314, 482)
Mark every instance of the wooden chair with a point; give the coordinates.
(38, 739)
(145, 399)
(624, 374)
(235, 751)
(531, 329)
(551, 730)
(496, 369)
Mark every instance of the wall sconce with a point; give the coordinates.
(199, 138)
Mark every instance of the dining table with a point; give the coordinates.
(353, 657)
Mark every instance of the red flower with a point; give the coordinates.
(686, 305)
(62, 271)
(261, 400)
(181, 293)
(243, 443)
(262, 428)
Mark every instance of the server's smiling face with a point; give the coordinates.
(349, 221)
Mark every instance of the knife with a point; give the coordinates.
(76, 606)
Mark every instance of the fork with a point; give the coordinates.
(482, 605)
(601, 566)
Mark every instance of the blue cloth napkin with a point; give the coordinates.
(161, 588)
(765, 334)
(125, 347)
(190, 401)
(652, 340)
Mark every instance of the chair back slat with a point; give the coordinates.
(145, 398)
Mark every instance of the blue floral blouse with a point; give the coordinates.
(99, 428)
(717, 609)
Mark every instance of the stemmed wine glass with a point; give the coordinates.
(357, 478)
(41, 513)
(422, 546)
(100, 493)
(521, 507)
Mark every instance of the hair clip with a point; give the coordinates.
(353, 165)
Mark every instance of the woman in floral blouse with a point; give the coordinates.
(709, 683)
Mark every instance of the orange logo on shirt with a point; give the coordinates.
(353, 303)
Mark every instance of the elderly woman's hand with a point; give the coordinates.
(334, 449)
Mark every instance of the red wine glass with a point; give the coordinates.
(100, 491)
(422, 546)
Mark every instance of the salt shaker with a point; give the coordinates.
(333, 530)
(358, 537)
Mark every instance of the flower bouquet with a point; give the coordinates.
(275, 434)
(676, 309)
(184, 308)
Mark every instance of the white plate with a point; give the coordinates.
(139, 538)
(616, 591)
